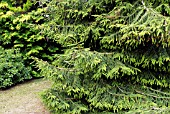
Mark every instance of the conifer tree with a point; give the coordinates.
(116, 56)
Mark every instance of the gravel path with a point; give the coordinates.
(24, 98)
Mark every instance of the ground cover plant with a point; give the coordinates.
(12, 68)
(116, 56)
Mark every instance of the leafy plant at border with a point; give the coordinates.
(12, 68)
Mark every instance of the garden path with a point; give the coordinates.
(24, 98)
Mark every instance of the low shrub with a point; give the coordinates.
(12, 68)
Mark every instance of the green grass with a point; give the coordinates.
(24, 98)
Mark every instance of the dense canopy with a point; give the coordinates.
(116, 56)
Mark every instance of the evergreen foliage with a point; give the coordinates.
(19, 29)
(15, 30)
(19, 22)
(116, 56)
(12, 68)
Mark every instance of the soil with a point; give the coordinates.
(24, 98)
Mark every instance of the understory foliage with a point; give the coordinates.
(19, 22)
(17, 33)
(116, 56)
(12, 68)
